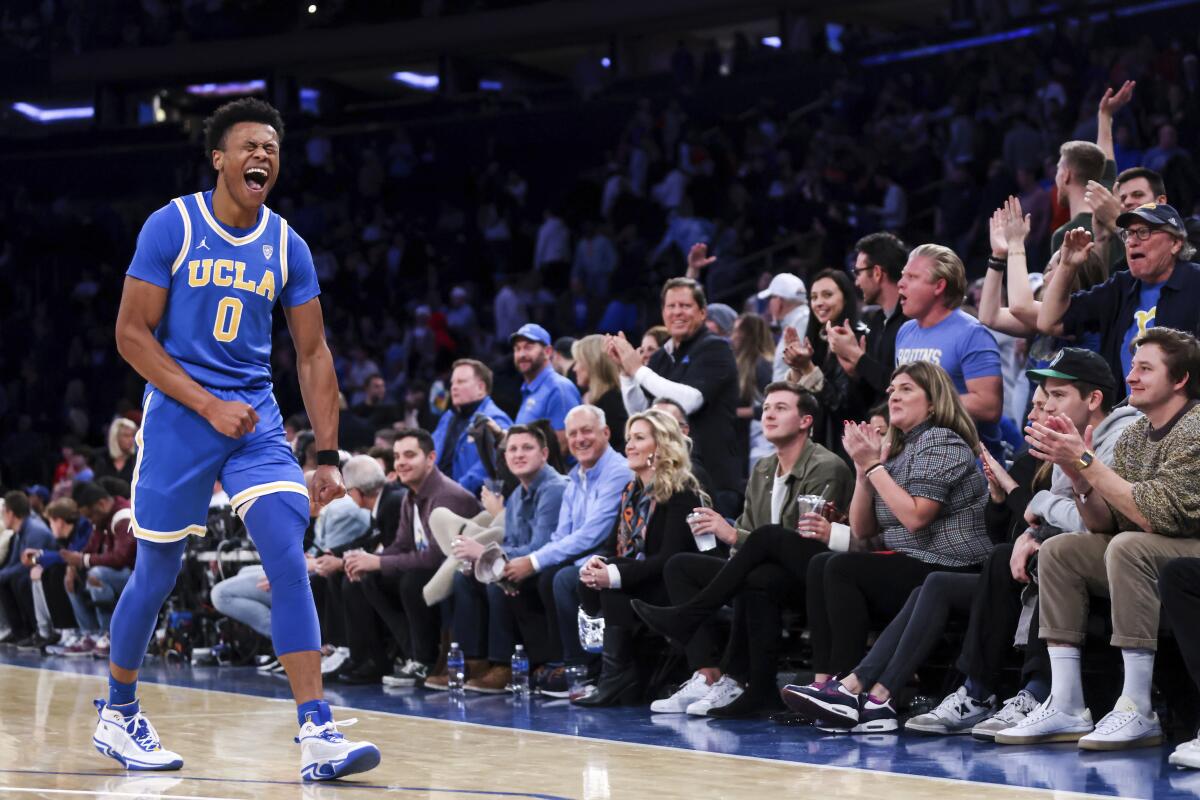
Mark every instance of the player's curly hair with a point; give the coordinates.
(247, 109)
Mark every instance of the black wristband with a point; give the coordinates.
(328, 458)
(997, 264)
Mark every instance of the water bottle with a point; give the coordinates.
(520, 673)
(456, 666)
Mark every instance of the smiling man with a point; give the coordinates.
(696, 370)
(195, 321)
(1159, 289)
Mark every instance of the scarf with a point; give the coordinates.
(637, 506)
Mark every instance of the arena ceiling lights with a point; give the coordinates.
(46, 115)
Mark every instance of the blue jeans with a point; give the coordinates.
(240, 598)
(559, 588)
(93, 605)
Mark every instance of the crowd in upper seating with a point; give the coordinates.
(598, 461)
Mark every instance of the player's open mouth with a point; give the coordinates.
(256, 178)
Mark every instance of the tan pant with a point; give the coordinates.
(1074, 566)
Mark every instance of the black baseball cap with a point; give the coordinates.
(1159, 214)
(1076, 364)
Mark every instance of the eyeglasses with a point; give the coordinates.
(861, 270)
(1141, 234)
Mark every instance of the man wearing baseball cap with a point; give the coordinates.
(545, 394)
(787, 305)
(1160, 288)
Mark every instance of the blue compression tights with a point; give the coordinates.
(276, 523)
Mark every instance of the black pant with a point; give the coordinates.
(995, 612)
(847, 592)
(1179, 588)
(685, 575)
(523, 615)
(766, 574)
(16, 598)
(400, 603)
(365, 632)
(911, 636)
(62, 614)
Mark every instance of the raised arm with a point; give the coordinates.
(992, 312)
(1110, 104)
(1056, 297)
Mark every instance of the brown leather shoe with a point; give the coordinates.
(494, 681)
(440, 681)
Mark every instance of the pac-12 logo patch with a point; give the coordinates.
(267, 251)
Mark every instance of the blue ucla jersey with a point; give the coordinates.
(222, 284)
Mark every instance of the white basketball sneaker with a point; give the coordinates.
(131, 741)
(325, 754)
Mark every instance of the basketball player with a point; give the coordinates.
(195, 322)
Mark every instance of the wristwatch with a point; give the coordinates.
(1085, 460)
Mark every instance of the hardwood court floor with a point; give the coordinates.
(240, 746)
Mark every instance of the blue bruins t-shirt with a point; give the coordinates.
(1143, 318)
(222, 284)
(961, 345)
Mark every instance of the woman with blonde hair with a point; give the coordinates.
(753, 351)
(651, 527)
(599, 383)
(920, 492)
(119, 458)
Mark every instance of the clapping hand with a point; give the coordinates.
(799, 355)
(1076, 247)
(1016, 224)
(623, 354)
(1105, 206)
(1058, 442)
(862, 443)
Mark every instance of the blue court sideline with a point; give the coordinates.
(1132, 774)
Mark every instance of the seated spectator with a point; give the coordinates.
(920, 492)
(600, 383)
(563, 357)
(16, 588)
(651, 527)
(815, 367)
(470, 396)
(1159, 288)
(696, 370)
(97, 574)
(47, 569)
(544, 393)
(416, 412)
(121, 454)
(787, 307)
(676, 411)
(1141, 512)
(389, 582)
(489, 626)
(869, 362)
(940, 332)
(589, 508)
(765, 575)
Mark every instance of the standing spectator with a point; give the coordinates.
(16, 587)
(390, 583)
(510, 308)
(1145, 511)
(1078, 163)
(652, 341)
(121, 453)
(787, 307)
(470, 396)
(544, 393)
(869, 361)
(589, 509)
(562, 358)
(600, 383)
(1159, 289)
(941, 333)
(552, 252)
(696, 370)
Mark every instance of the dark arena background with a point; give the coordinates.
(682, 245)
